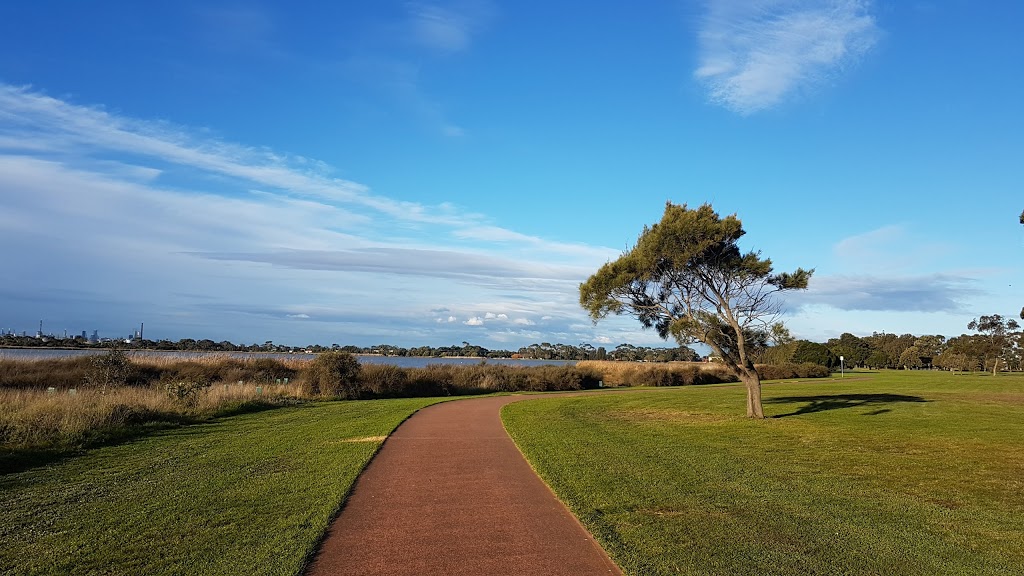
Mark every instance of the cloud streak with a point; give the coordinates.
(195, 235)
(924, 293)
(754, 54)
(447, 28)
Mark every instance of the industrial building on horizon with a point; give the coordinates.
(93, 338)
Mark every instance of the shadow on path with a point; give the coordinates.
(839, 401)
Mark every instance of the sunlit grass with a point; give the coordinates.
(248, 494)
(903, 473)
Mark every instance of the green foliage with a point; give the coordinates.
(877, 359)
(333, 374)
(854, 350)
(806, 351)
(687, 278)
(791, 370)
(994, 329)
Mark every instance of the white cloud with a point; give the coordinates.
(603, 340)
(925, 293)
(524, 322)
(448, 27)
(256, 242)
(756, 53)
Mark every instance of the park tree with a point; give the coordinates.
(911, 358)
(807, 351)
(877, 359)
(995, 329)
(687, 278)
(853, 349)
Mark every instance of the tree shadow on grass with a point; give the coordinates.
(840, 401)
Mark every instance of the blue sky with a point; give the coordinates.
(434, 172)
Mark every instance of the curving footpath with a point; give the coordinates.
(449, 493)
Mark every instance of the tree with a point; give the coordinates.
(877, 359)
(854, 350)
(687, 278)
(995, 328)
(807, 351)
(911, 358)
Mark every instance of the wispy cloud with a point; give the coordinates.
(924, 293)
(756, 53)
(448, 27)
(203, 236)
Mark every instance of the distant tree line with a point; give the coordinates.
(544, 351)
(997, 344)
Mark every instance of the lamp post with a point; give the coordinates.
(842, 370)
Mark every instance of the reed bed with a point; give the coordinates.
(658, 374)
(689, 373)
(67, 419)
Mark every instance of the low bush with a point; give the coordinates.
(185, 393)
(332, 374)
(791, 370)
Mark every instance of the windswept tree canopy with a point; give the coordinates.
(687, 278)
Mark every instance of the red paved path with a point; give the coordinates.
(449, 493)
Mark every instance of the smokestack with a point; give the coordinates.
(142, 326)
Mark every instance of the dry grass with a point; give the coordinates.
(63, 373)
(61, 419)
(659, 374)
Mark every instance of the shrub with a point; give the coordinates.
(384, 380)
(185, 393)
(109, 369)
(333, 374)
(792, 370)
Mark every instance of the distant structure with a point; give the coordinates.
(40, 333)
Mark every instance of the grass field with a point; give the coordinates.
(249, 494)
(890, 473)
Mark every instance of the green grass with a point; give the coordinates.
(900, 473)
(249, 494)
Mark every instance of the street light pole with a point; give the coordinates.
(842, 369)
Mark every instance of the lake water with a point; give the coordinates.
(403, 361)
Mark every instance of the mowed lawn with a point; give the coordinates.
(889, 473)
(248, 494)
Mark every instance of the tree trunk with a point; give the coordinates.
(995, 366)
(752, 382)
